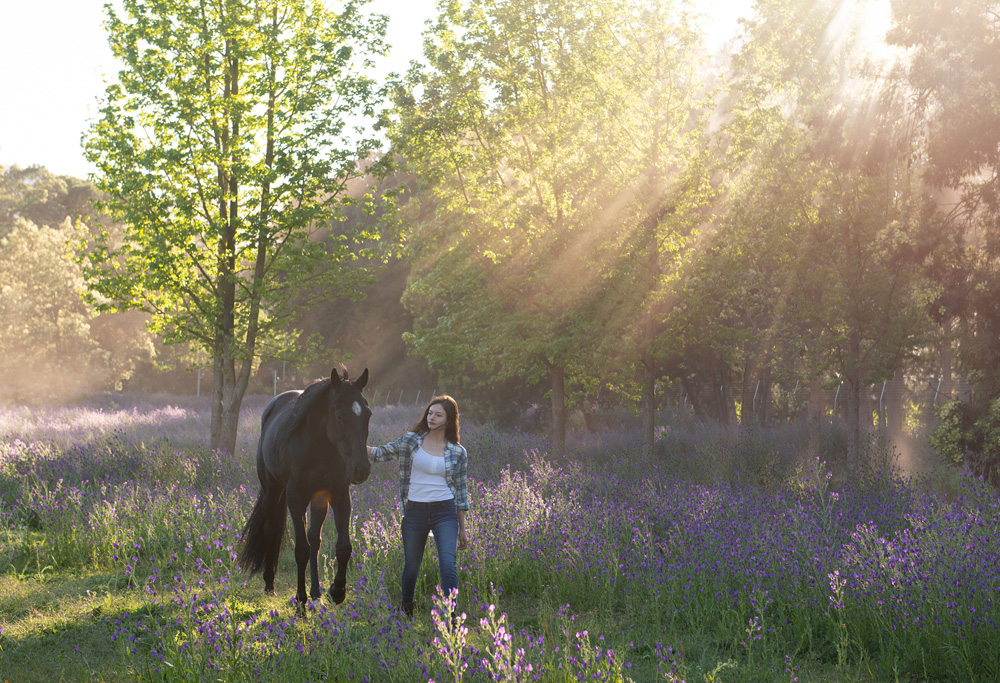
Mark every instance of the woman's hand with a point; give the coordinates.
(463, 535)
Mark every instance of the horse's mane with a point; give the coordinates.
(302, 405)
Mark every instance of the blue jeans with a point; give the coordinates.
(418, 520)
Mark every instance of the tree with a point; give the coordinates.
(223, 147)
(663, 172)
(846, 209)
(45, 330)
(555, 141)
(46, 327)
(52, 339)
(38, 196)
(505, 127)
(950, 70)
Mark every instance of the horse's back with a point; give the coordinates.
(276, 412)
(277, 406)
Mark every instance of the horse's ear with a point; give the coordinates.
(335, 379)
(361, 381)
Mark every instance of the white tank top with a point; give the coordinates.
(427, 484)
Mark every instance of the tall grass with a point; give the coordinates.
(728, 557)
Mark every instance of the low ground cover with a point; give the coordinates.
(118, 529)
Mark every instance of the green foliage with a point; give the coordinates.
(986, 461)
(951, 50)
(549, 176)
(967, 435)
(36, 195)
(223, 147)
(53, 341)
(814, 251)
(951, 438)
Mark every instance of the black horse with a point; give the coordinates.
(313, 446)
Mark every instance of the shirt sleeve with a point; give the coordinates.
(461, 479)
(391, 451)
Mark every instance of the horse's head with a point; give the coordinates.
(347, 423)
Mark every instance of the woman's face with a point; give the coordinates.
(437, 418)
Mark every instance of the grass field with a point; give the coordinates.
(721, 560)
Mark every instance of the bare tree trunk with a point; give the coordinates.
(763, 393)
(218, 392)
(648, 407)
(947, 384)
(559, 417)
(896, 404)
(866, 409)
(227, 400)
(747, 390)
(587, 408)
(230, 422)
(726, 397)
(692, 395)
(815, 417)
(853, 376)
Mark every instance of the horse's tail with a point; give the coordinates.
(266, 521)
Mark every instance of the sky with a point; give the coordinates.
(55, 57)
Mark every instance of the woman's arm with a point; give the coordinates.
(462, 502)
(463, 535)
(390, 451)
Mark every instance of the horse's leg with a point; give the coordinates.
(274, 531)
(317, 516)
(341, 505)
(297, 504)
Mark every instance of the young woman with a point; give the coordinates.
(433, 491)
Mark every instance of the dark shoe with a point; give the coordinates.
(407, 608)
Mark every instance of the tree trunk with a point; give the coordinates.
(853, 420)
(727, 400)
(747, 393)
(648, 406)
(232, 402)
(763, 393)
(692, 396)
(218, 393)
(587, 408)
(853, 385)
(895, 403)
(228, 390)
(815, 418)
(946, 386)
(866, 408)
(230, 385)
(558, 376)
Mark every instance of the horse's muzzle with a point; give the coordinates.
(360, 473)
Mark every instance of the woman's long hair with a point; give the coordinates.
(450, 410)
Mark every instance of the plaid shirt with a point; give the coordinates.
(456, 462)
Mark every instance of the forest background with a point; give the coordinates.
(564, 207)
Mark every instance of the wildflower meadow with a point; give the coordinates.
(716, 561)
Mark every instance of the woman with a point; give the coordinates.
(433, 490)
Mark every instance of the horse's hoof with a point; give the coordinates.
(316, 594)
(269, 591)
(337, 594)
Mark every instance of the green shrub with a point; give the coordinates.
(970, 435)
(951, 438)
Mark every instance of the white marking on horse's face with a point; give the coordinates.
(356, 408)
